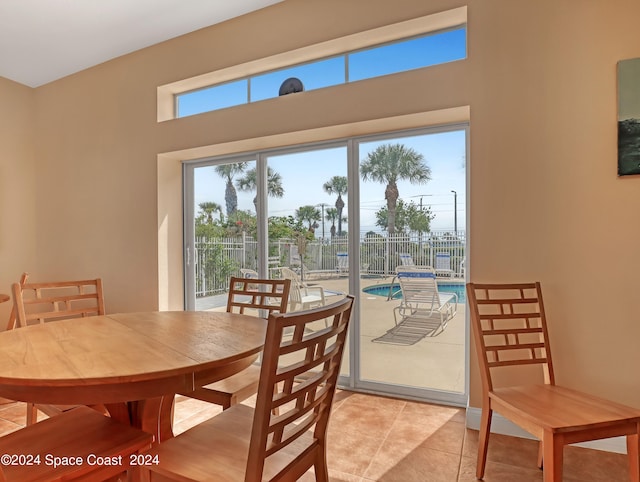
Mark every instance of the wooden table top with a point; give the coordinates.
(123, 357)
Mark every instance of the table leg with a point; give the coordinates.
(153, 415)
(119, 412)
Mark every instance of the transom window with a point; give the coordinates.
(389, 58)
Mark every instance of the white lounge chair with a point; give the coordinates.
(463, 269)
(422, 303)
(342, 265)
(301, 295)
(443, 265)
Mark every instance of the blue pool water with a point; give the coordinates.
(383, 290)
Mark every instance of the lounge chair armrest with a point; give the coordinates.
(314, 290)
(448, 297)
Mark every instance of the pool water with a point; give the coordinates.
(383, 290)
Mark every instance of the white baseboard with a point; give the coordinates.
(501, 425)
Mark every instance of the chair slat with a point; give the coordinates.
(517, 331)
(508, 363)
(507, 301)
(515, 346)
(509, 316)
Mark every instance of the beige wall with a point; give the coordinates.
(545, 202)
(17, 187)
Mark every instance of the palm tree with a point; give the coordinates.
(389, 163)
(228, 171)
(309, 214)
(331, 215)
(208, 209)
(249, 183)
(337, 185)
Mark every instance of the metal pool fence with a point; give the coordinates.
(217, 259)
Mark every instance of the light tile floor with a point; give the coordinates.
(384, 439)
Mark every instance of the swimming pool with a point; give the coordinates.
(383, 290)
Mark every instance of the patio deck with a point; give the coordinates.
(435, 362)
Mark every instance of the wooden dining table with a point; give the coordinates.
(133, 363)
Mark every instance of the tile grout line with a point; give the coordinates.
(384, 439)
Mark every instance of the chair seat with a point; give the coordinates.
(563, 410)
(79, 433)
(230, 391)
(308, 300)
(191, 455)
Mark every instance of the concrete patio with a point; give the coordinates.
(435, 362)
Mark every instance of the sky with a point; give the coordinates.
(304, 173)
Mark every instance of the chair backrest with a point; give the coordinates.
(300, 368)
(297, 285)
(288, 273)
(418, 285)
(343, 261)
(57, 300)
(13, 316)
(510, 328)
(406, 259)
(248, 273)
(258, 294)
(443, 261)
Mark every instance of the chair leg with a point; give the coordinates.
(633, 451)
(320, 465)
(483, 441)
(552, 453)
(32, 414)
(540, 455)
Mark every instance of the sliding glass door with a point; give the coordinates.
(308, 224)
(220, 228)
(412, 192)
(341, 218)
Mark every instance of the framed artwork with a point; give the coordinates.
(628, 117)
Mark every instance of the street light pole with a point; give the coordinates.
(455, 212)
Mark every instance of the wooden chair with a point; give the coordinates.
(248, 296)
(80, 433)
(43, 302)
(246, 445)
(510, 330)
(13, 317)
